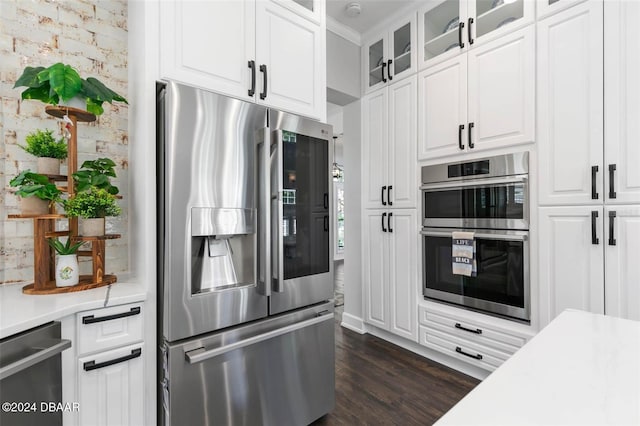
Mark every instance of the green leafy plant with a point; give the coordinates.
(92, 204)
(33, 184)
(42, 144)
(96, 174)
(62, 82)
(66, 248)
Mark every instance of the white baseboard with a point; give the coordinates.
(353, 323)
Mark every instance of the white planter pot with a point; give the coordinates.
(48, 166)
(91, 227)
(75, 102)
(67, 270)
(33, 205)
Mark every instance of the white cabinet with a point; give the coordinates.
(110, 367)
(390, 270)
(570, 106)
(389, 152)
(451, 27)
(481, 100)
(390, 56)
(258, 51)
(549, 7)
(622, 102)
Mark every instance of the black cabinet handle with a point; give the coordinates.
(594, 192)
(326, 224)
(594, 236)
(325, 202)
(263, 70)
(252, 66)
(389, 195)
(384, 203)
(89, 319)
(460, 327)
(389, 222)
(471, 125)
(460, 351)
(612, 184)
(460, 129)
(389, 62)
(384, 64)
(469, 31)
(91, 365)
(383, 216)
(460, 42)
(612, 218)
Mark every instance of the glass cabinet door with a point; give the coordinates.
(440, 33)
(376, 72)
(549, 7)
(402, 55)
(491, 15)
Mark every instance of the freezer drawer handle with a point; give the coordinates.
(460, 351)
(28, 361)
(198, 355)
(91, 365)
(89, 319)
(460, 327)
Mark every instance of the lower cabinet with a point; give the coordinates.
(390, 270)
(589, 260)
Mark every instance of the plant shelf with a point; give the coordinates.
(37, 216)
(86, 283)
(79, 114)
(96, 238)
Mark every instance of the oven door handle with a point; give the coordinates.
(43, 354)
(475, 182)
(484, 236)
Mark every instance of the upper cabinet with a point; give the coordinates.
(549, 7)
(455, 26)
(269, 52)
(390, 55)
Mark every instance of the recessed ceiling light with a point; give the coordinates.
(352, 10)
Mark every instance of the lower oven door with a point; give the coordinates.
(501, 284)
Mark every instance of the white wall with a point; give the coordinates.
(343, 70)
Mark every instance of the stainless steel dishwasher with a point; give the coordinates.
(31, 374)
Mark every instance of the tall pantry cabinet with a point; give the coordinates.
(589, 180)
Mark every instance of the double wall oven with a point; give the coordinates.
(489, 197)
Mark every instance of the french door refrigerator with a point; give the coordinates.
(246, 330)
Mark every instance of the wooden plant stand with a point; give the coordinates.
(44, 225)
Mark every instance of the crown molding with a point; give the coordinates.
(343, 31)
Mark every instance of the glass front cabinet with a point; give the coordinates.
(390, 56)
(452, 27)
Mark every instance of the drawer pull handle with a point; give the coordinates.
(89, 319)
(460, 351)
(91, 365)
(476, 331)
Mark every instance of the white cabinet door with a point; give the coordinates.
(209, 44)
(402, 57)
(375, 261)
(570, 106)
(622, 101)
(571, 260)
(291, 49)
(622, 248)
(403, 273)
(403, 113)
(112, 395)
(375, 147)
(441, 32)
(442, 109)
(549, 7)
(501, 91)
(489, 20)
(374, 63)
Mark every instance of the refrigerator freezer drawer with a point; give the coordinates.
(278, 371)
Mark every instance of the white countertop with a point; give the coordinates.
(582, 369)
(19, 312)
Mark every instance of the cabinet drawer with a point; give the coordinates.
(108, 328)
(465, 350)
(473, 331)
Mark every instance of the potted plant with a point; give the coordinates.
(36, 193)
(92, 206)
(49, 151)
(67, 264)
(61, 83)
(96, 174)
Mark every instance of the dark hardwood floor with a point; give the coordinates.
(378, 383)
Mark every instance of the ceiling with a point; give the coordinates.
(373, 12)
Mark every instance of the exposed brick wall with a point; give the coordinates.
(90, 35)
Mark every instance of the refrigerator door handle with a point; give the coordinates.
(277, 238)
(264, 191)
(201, 354)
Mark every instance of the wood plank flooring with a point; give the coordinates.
(378, 383)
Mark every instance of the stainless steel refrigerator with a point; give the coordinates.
(246, 330)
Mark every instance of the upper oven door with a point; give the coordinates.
(493, 203)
